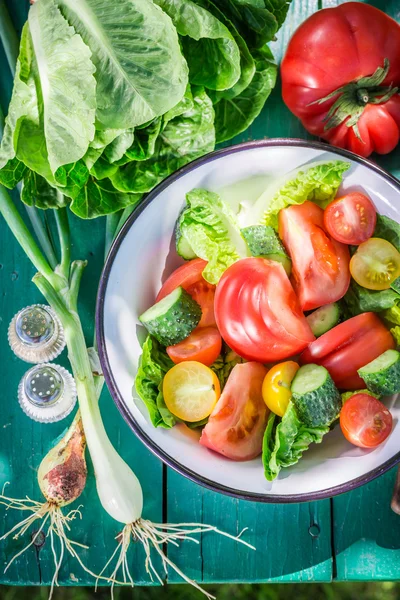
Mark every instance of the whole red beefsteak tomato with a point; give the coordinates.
(340, 76)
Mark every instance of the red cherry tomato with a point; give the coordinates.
(348, 347)
(236, 426)
(203, 345)
(257, 311)
(320, 264)
(365, 421)
(189, 276)
(350, 219)
(331, 49)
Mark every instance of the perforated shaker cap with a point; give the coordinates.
(47, 393)
(35, 334)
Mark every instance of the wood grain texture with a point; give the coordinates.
(23, 443)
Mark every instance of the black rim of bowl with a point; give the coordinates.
(112, 386)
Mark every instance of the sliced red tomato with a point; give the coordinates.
(203, 345)
(348, 347)
(189, 276)
(350, 219)
(257, 311)
(365, 421)
(236, 426)
(320, 264)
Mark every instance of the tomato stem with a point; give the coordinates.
(352, 98)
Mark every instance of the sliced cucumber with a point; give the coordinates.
(183, 247)
(382, 375)
(315, 396)
(396, 285)
(263, 241)
(173, 318)
(323, 319)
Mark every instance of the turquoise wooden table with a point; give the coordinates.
(350, 537)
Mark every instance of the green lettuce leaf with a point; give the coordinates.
(318, 183)
(140, 70)
(359, 300)
(392, 318)
(144, 144)
(210, 229)
(257, 21)
(247, 65)
(210, 50)
(224, 364)
(347, 395)
(235, 114)
(285, 441)
(153, 365)
(117, 148)
(37, 192)
(388, 230)
(183, 139)
(99, 198)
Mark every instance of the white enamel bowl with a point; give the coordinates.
(144, 255)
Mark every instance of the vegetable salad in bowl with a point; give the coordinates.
(281, 323)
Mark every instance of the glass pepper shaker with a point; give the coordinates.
(35, 334)
(47, 393)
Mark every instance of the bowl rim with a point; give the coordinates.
(102, 350)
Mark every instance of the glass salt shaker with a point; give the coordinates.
(47, 393)
(35, 334)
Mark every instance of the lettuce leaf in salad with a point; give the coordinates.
(388, 230)
(285, 441)
(391, 316)
(224, 365)
(317, 181)
(153, 365)
(210, 229)
(359, 300)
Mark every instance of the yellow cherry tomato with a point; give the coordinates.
(376, 264)
(191, 390)
(276, 386)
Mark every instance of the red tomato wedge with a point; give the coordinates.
(350, 219)
(189, 276)
(348, 347)
(203, 345)
(257, 311)
(236, 426)
(365, 421)
(320, 264)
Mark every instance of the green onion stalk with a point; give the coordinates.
(118, 488)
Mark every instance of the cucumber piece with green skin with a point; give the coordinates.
(183, 248)
(173, 318)
(323, 319)
(382, 375)
(315, 396)
(263, 242)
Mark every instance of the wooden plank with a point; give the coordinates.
(285, 549)
(23, 443)
(366, 532)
